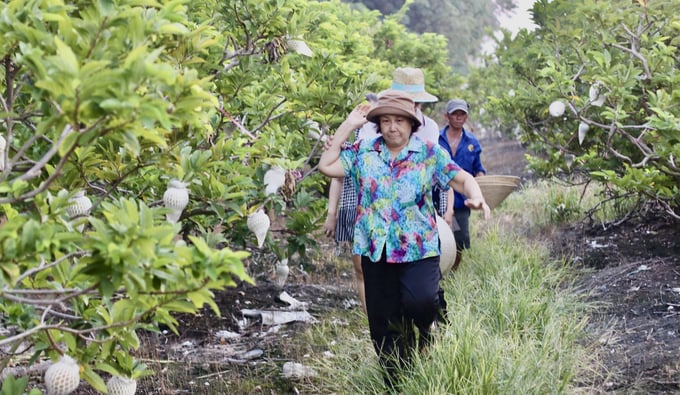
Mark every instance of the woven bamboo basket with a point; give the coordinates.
(497, 188)
(503, 180)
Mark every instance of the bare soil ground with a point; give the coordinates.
(631, 272)
(633, 277)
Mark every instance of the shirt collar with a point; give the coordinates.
(446, 128)
(415, 144)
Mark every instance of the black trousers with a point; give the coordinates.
(400, 298)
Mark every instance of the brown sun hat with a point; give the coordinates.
(393, 102)
(412, 81)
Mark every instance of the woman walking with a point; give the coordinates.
(395, 231)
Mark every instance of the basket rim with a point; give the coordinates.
(501, 178)
(497, 183)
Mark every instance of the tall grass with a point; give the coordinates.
(515, 320)
(547, 203)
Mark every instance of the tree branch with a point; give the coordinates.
(269, 116)
(42, 266)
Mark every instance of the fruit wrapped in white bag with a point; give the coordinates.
(258, 223)
(118, 385)
(63, 376)
(176, 198)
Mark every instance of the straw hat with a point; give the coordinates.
(447, 245)
(496, 188)
(412, 81)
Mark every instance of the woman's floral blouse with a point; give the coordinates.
(395, 212)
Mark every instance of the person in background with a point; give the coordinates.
(465, 150)
(395, 232)
(342, 198)
(412, 81)
(339, 224)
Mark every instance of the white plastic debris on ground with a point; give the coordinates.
(292, 302)
(270, 317)
(227, 335)
(297, 370)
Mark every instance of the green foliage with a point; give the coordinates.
(562, 208)
(400, 48)
(464, 24)
(114, 100)
(542, 205)
(12, 386)
(614, 68)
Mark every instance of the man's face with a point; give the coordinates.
(457, 119)
(396, 130)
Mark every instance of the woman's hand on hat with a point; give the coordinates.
(358, 116)
(479, 204)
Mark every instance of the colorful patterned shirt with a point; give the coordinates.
(395, 213)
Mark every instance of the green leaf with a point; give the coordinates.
(94, 379)
(123, 310)
(201, 297)
(12, 386)
(70, 340)
(68, 143)
(65, 60)
(136, 55)
(104, 314)
(105, 367)
(19, 187)
(180, 306)
(106, 8)
(201, 246)
(173, 28)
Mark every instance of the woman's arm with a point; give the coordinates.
(466, 184)
(330, 163)
(450, 200)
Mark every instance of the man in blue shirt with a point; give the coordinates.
(466, 151)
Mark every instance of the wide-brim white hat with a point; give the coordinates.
(447, 245)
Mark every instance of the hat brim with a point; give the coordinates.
(423, 97)
(463, 109)
(447, 245)
(374, 114)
